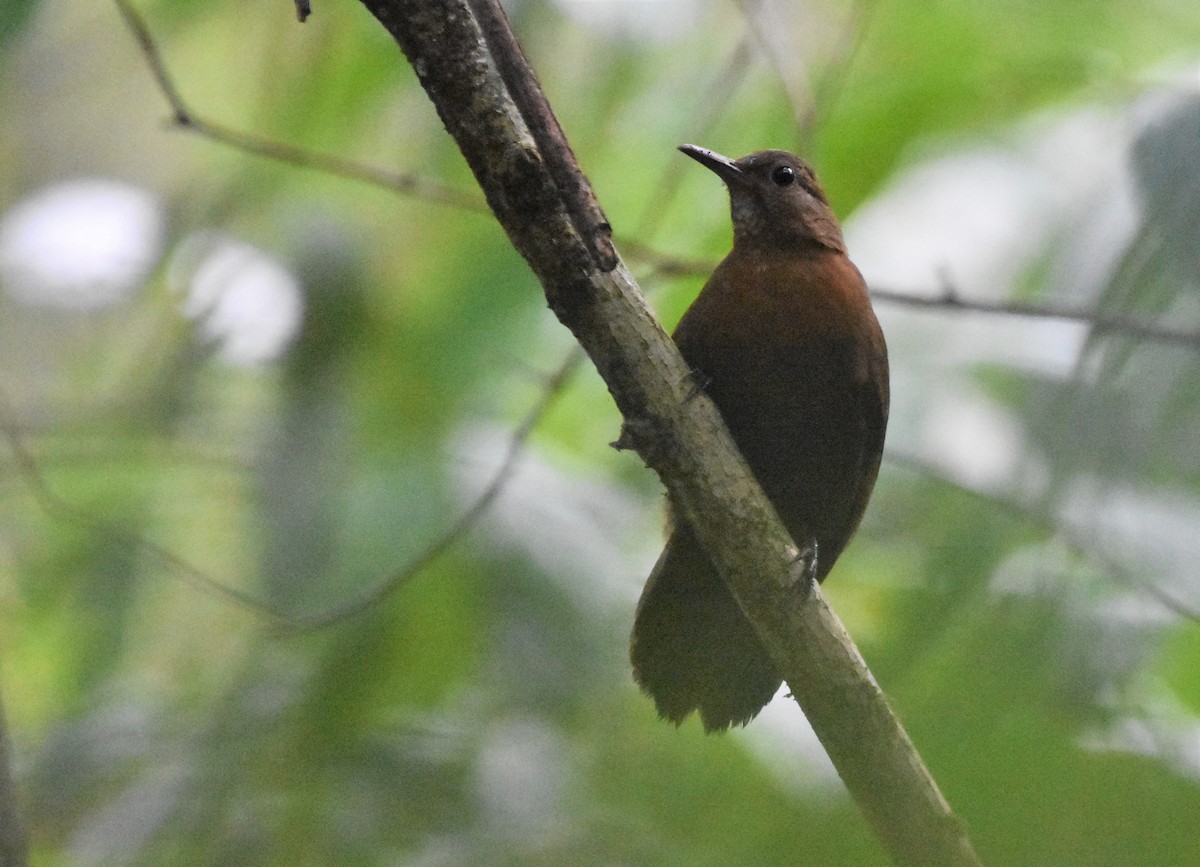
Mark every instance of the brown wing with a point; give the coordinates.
(802, 386)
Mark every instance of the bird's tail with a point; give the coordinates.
(693, 648)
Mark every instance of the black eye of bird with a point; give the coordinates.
(783, 175)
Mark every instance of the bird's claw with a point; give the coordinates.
(803, 569)
(697, 381)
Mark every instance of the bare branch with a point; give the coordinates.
(54, 506)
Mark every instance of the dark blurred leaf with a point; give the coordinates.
(1167, 164)
(13, 15)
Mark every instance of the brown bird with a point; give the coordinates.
(784, 341)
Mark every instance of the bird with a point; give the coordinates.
(783, 339)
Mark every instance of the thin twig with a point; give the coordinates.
(1044, 520)
(1108, 323)
(137, 26)
(465, 522)
(950, 299)
(182, 116)
(55, 506)
(406, 183)
(664, 264)
(812, 98)
(799, 94)
(713, 103)
(831, 81)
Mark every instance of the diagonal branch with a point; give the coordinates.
(561, 233)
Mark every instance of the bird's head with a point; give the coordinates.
(774, 199)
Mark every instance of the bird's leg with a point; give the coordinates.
(698, 382)
(804, 567)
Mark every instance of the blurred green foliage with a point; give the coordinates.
(482, 713)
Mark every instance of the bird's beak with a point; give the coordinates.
(723, 166)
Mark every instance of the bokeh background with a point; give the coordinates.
(239, 396)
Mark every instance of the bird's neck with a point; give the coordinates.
(814, 234)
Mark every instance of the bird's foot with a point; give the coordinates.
(803, 570)
(698, 382)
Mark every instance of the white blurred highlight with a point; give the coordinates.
(650, 20)
(81, 245)
(243, 299)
